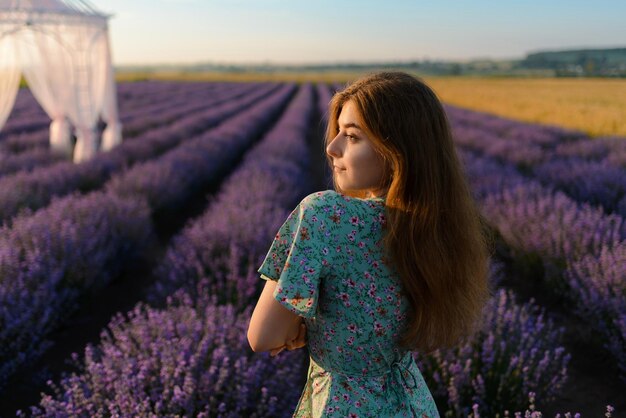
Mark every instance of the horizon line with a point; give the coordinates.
(373, 61)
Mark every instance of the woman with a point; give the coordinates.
(393, 261)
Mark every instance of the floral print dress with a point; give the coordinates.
(328, 261)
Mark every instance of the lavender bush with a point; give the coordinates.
(168, 181)
(617, 149)
(184, 105)
(35, 189)
(593, 182)
(47, 260)
(538, 223)
(574, 164)
(532, 412)
(516, 351)
(524, 154)
(597, 285)
(135, 115)
(487, 175)
(28, 161)
(193, 358)
(587, 149)
(547, 136)
(548, 230)
(219, 252)
(186, 360)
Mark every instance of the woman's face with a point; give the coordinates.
(357, 166)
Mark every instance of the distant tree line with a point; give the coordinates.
(573, 63)
(583, 62)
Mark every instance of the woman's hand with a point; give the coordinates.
(298, 342)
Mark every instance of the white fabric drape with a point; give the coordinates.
(65, 56)
(9, 77)
(47, 64)
(88, 86)
(112, 135)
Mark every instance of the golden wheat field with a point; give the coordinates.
(595, 106)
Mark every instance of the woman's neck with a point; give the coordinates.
(377, 193)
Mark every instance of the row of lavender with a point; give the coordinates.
(28, 116)
(27, 135)
(132, 110)
(548, 215)
(33, 190)
(32, 150)
(28, 150)
(577, 249)
(194, 348)
(26, 131)
(591, 170)
(141, 92)
(194, 352)
(78, 244)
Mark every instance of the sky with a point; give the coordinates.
(342, 31)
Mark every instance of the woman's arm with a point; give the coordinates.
(272, 325)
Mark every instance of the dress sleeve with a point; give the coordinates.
(294, 260)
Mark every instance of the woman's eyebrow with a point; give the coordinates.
(352, 125)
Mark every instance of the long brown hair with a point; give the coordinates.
(434, 235)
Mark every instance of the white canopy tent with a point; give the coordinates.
(62, 49)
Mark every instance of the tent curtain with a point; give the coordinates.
(69, 71)
(112, 134)
(9, 77)
(88, 85)
(86, 144)
(61, 137)
(47, 67)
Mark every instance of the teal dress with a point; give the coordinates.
(329, 266)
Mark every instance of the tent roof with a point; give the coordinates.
(64, 7)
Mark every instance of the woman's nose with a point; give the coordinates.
(333, 149)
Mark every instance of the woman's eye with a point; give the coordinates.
(350, 138)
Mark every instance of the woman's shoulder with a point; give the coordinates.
(329, 210)
(320, 199)
(331, 197)
(330, 201)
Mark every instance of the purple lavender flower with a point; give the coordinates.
(183, 360)
(217, 253)
(515, 352)
(168, 181)
(76, 245)
(532, 219)
(597, 286)
(593, 182)
(33, 190)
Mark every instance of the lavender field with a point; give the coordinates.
(127, 282)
